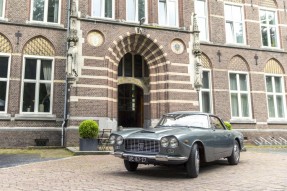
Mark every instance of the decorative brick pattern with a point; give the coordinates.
(268, 3)
(238, 63)
(273, 67)
(205, 61)
(39, 46)
(5, 45)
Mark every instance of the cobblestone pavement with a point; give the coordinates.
(257, 170)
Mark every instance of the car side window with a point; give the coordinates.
(216, 123)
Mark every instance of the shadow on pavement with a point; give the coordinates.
(9, 160)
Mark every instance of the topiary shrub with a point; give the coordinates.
(88, 129)
(228, 125)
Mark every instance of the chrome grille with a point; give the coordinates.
(142, 146)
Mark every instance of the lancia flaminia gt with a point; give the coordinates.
(187, 138)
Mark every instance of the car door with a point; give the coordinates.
(222, 137)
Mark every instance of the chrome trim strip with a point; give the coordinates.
(152, 157)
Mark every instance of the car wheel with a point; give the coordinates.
(235, 156)
(131, 166)
(193, 163)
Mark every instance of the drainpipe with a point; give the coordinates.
(64, 124)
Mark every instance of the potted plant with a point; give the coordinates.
(88, 131)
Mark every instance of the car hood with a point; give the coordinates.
(153, 133)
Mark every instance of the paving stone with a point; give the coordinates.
(256, 171)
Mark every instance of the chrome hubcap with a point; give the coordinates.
(236, 152)
(197, 161)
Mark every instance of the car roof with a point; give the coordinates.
(188, 112)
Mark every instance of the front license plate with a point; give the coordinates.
(137, 159)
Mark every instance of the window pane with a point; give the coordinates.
(273, 37)
(243, 82)
(141, 12)
(280, 106)
(233, 84)
(162, 12)
(271, 18)
(269, 84)
(172, 13)
(120, 68)
(138, 66)
(4, 67)
(278, 87)
(200, 7)
(30, 69)
(229, 31)
(263, 17)
(53, 11)
(205, 80)
(1, 8)
(264, 36)
(202, 28)
(234, 105)
(131, 10)
(128, 65)
(236, 13)
(28, 97)
(44, 98)
(38, 10)
(3, 89)
(205, 102)
(97, 5)
(109, 8)
(271, 106)
(46, 70)
(244, 105)
(228, 12)
(238, 29)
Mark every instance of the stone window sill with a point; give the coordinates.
(277, 121)
(243, 121)
(35, 117)
(4, 116)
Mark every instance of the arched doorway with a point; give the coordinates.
(130, 105)
(132, 74)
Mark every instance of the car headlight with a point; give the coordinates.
(173, 143)
(120, 140)
(112, 139)
(164, 142)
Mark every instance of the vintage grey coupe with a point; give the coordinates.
(187, 138)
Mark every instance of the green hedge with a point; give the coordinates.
(88, 129)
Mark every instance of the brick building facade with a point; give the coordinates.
(127, 62)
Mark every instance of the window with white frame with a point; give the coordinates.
(275, 96)
(234, 26)
(103, 8)
(37, 86)
(168, 13)
(269, 28)
(200, 8)
(45, 11)
(2, 8)
(4, 72)
(205, 93)
(136, 9)
(239, 94)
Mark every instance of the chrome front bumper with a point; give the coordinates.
(164, 158)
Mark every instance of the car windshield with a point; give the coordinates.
(189, 120)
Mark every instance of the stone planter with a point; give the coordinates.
(88, 144)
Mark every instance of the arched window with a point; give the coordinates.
(133, 65)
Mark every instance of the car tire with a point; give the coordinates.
(131, 166)
(235, 156)
(193, 163)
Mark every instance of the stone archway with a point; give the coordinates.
(155, 57)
